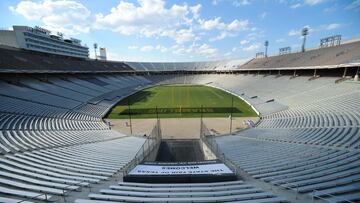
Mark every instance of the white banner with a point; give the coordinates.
(217, 168)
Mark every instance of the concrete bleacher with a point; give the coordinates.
(12, 59)
(233, 191)
(54, 143)
(52, 135)
(312, 145)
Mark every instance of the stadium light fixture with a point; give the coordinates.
(95, 48)
(304, 33)
(266, 44)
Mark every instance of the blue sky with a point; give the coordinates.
(175, 30)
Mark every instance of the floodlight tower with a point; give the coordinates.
(266, 44)
(304, 33)
(95, 48)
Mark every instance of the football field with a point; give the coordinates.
(181, 101)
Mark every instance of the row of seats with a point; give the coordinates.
(324, 113)
(56, 171)
(340, 137)
(17, 141)
(20, 122)
(52, 137)
(299, 167)
(311, 146)
(233, 191)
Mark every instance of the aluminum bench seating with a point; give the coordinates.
(77, 167)
(180, 189)
(22, 178)
(267, 200)
(334, 182)
(310, 169)
(25, 194)
(74, 168)
(338, 190)
(32, 187)
(40, 176)
(175, 185)
(11, 200)
(348, 197)
(187, 199)
(90, 178)
(180, 194)
(304, 164)
(41, 171)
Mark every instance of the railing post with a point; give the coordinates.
(313, 193)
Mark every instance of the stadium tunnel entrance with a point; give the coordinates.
(180, 151)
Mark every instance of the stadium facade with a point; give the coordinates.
(40, 39)
(55, 145)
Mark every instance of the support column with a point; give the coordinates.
(345, 70)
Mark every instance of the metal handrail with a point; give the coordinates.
(327, 200)
(152, 142)
(63, 194)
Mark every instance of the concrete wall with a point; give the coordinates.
(8, 38)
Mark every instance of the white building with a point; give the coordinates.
(102, 54)
(39, 39)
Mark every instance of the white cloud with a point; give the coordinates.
(204, 50)
(355, 5)
(148, 18)
(297, 32)
(235, 25)
(211, 24)
(244, 41)
(226, 30)
(238, 25)
(313, 2)
(207, 50)
(332, 26)
(147, 48)
(215, 2)
(281, 40)
(133, 47)
(195, 10)
(69, 17)
(161, 48)
(239, 3)
(294, 32)
(294, 6)
(263, 15)
(252, 47)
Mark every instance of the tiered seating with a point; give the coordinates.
(299, 167)
(233, 191)
(310, 146)
(51, 144)
(56, 171)
(13, 59)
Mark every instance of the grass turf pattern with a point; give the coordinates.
(180, 101)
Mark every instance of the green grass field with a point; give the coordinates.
(180, 101)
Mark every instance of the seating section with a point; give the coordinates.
(299, 167)
(311, 146)
(53, 140)
(12, 59)
(52, 137)
(42, 174)
(233, 191)
(344, 54)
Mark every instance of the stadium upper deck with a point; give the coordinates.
(344, 55)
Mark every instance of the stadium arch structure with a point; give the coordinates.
(55, 146)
